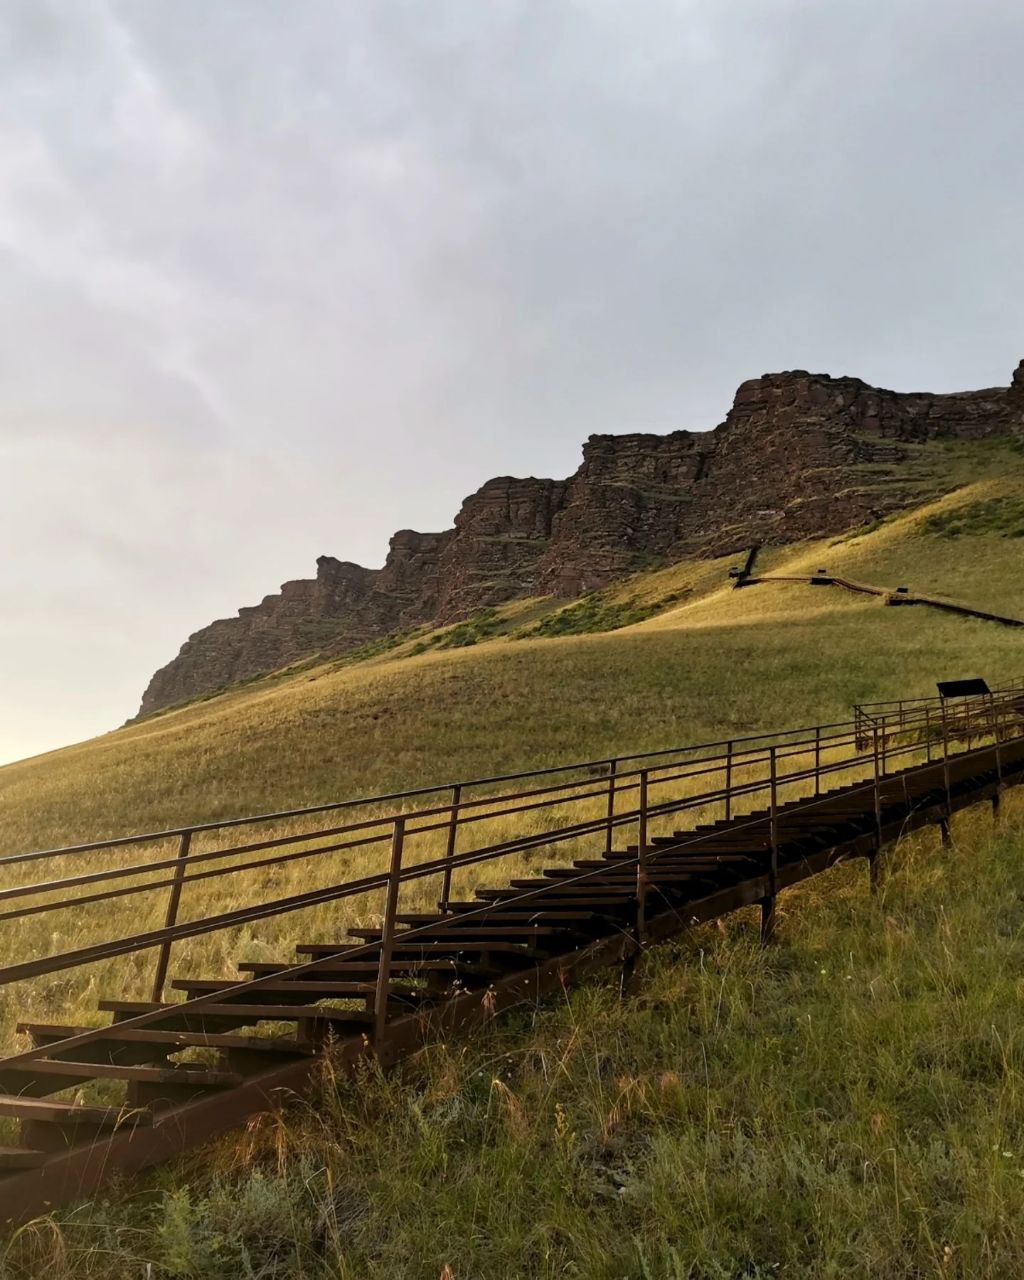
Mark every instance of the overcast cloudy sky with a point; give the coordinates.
(278, 277)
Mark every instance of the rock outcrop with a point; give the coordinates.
(799, 454)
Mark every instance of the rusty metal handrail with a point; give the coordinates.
(369, 949)
(197, 828)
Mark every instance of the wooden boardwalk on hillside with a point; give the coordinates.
(388, 989)
(891, 596)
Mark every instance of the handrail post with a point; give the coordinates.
(998, 797)
(878, 791)
(641, 864)
(928, 734)
(449, 853)
(817, 759)
(944, 824)
(171, 917)
(728, 780)
(874, 858)
(768, 903)
(613, 769)
(945, 757)
(387, 941)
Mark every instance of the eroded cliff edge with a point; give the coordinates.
(798, 455)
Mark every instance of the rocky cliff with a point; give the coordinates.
(798, 454)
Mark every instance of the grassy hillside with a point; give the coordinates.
(847, 1103)
(849, 1085)
(715, 661)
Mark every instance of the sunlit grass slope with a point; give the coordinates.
(848, 1103)
(721, 662)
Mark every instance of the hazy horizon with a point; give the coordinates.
(280, 281)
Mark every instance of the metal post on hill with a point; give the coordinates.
(879, 765)
(449, 853)
(768, 903)
(817, 760)
(997, 799)
(728, 780)
(171, 917)
(641, 864)
(613, 769)
(387, 941)
(944, 824)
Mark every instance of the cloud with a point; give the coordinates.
(279, 279)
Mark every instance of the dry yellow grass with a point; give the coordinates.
(726, 663)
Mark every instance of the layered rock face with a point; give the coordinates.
(798, 455)
(500, 535)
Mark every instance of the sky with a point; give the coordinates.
(279, 277)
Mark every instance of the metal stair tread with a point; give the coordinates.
(183, 1074)
(253, 1012)
(23, 1108)
(175, 1039)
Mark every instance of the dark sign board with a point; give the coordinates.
(962, 688)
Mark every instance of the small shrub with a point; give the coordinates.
(257, 1226)
(596, 612)
(481, 626)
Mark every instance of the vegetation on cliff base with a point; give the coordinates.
(1001, 516)
(601, 611)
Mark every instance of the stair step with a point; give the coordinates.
(249, 1012)
(43, 1033)
(459, 946)
(197, 1075)
(327, 985)
(370, 965)
(511, 913)
(312, 948)
(365, 973)
(39, 1109)
(600, 900)
(671, 857)
(612, 878)
(14, 1158)
(483, 932)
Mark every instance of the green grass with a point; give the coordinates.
(847, 1103)
(1003, 517)
(740, 1114)
(600, 611)
(482, 625)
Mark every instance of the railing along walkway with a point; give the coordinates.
(891, 595)
(618, 872)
